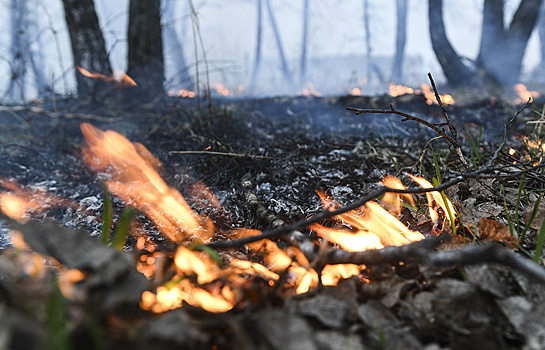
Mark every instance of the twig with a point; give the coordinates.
(451, 126)
(392, 110)
(241, 155)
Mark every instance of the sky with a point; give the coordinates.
(336, 47)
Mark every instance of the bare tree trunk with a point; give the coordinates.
(456, 72)
(368, 47)
(304, 44)
(401, 39)
(146, 65)
(88, 47)
(502, 50)
(172, 39)
(285, 68)
(37, 61)
(541, 28)
(257, 58)
(19, 48)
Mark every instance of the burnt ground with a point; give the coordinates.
(287, 147)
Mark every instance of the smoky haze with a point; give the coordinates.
(337, 51)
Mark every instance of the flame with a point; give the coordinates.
(205, 279)
(434, 198)
(118, 76)
(21, 202)
(370, 228)
(182, 93)
(399, 90)
(524, 94)
(430, 96)
(131, 173)
(309, 90)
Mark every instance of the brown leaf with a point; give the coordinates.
(493, 230)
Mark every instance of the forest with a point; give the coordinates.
(272, 174)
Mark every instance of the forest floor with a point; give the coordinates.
(280, 151)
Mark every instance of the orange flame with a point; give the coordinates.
(434, 198)
(132, 175)
(524, 94)
(309, 90)
(118, 76)
(399, 90)
(372, 228)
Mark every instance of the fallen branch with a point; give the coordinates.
(425, 253)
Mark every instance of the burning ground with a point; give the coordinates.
(247, 167)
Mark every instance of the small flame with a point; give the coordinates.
(434, 198)
(370, 228)
(21, 202)
(332, 274)
(356, 92)
(309, 90)
(399, 90)
(524, 94)
(118, 76)
(182, 93)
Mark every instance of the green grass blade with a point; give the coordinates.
(213, 254)
(532, 217)
(123, 228)
(106, 216)
(540, 241)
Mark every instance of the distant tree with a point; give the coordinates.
(23, 30)
(145, 46)
(372, 67)
(174, 41)
(541, 31)
(285, 69)
(502, 48)
(304, 44)
(259, 38)
(401, 39)
(88, 46)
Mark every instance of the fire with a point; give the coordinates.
(205, 279)
(118, 76)
(524, 94)
(20, 201)
(224, 91)
(182, 93)
(435, 198)
(399, 90)
(370, 228)
(309, 90)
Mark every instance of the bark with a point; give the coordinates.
(257, 58)
(88, 46)
(501, 50)
(456, 72)
(145, 46)
(284, 61)
(304, 43)
(401, 39)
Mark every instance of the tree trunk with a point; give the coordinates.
(145, 46)
(285, 68)
(304, 44)
(401, 39)
(541, 28)
(501, 51)
(456, 72)
(182, 78)
(20, 50)
(88, 47)
(257, 58)
(369, 48)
